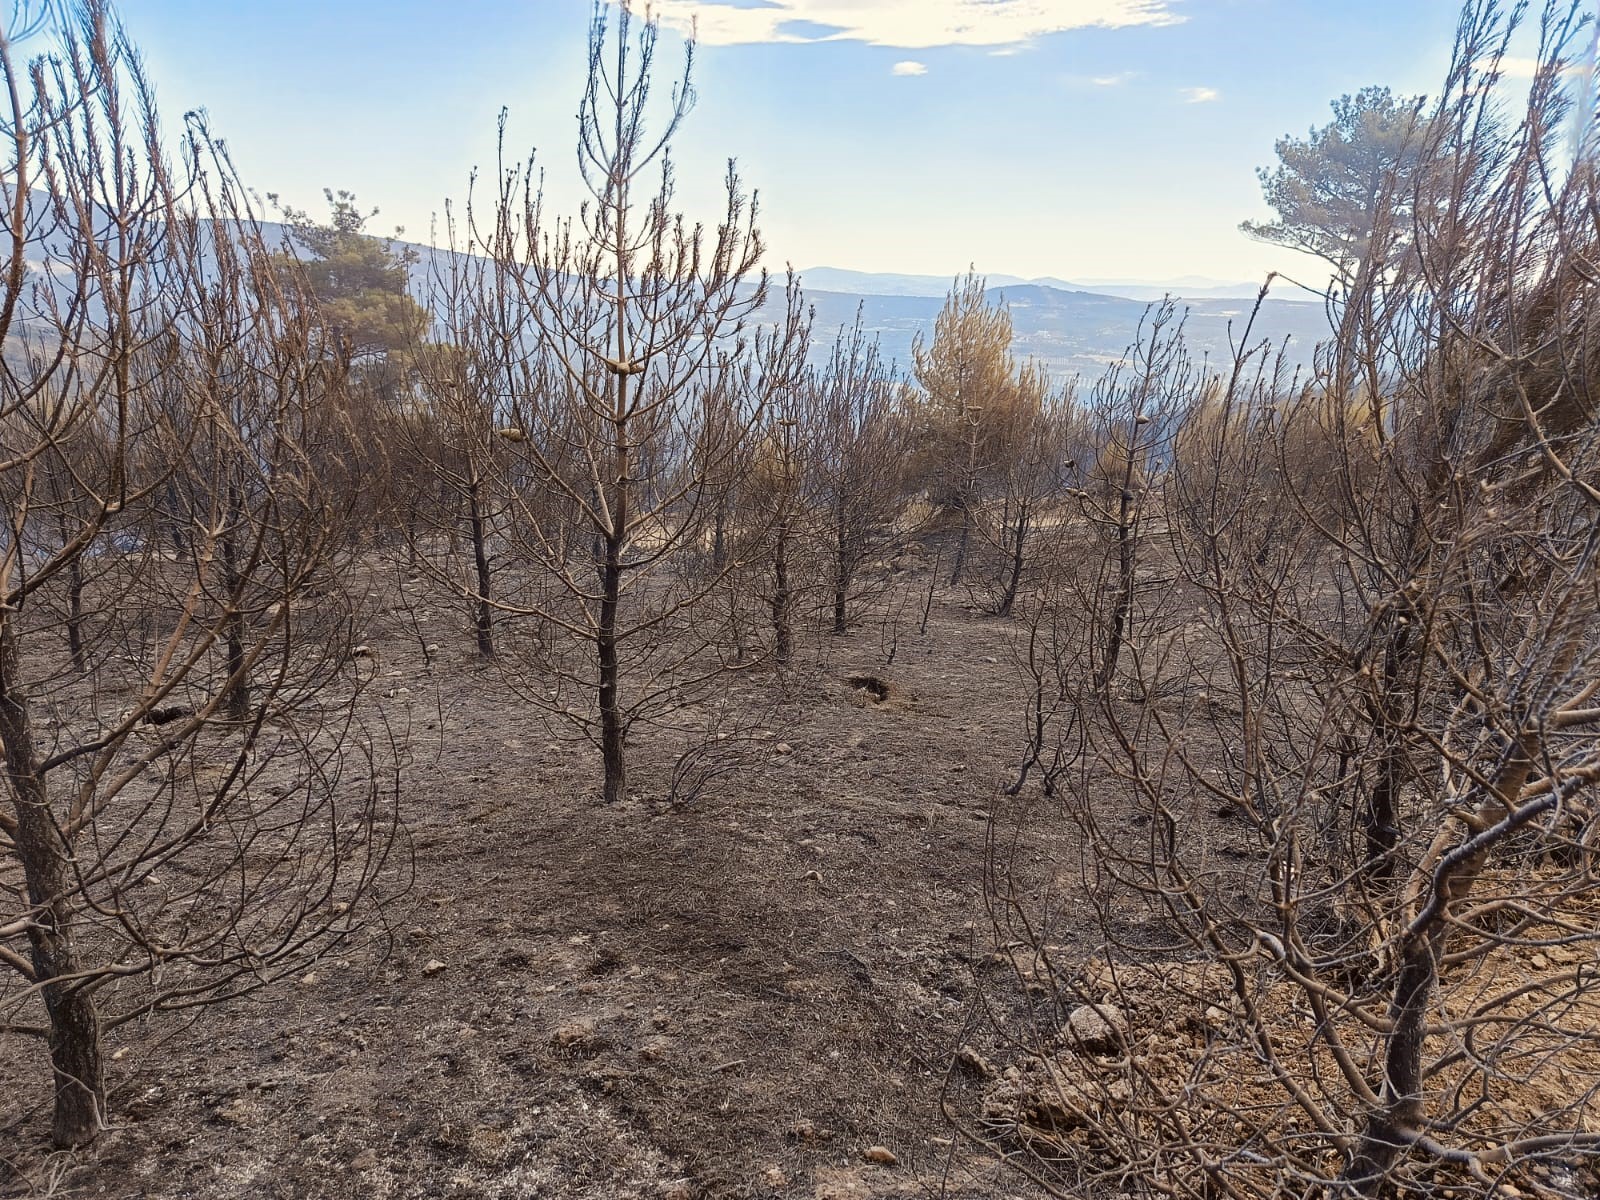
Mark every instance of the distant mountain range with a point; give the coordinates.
(1071, 330)
(1188, 287)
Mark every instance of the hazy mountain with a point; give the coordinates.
(1187, 287)
(1072, 329)
(1184, 289)
(1074, 332)
(870, 283)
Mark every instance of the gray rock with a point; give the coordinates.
(1097, 1028)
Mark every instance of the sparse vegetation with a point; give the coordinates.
(611, 735)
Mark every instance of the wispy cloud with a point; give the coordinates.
(1117, 80)
(1517, 66)
(1199, 95)
(907, 24)
(909, 68)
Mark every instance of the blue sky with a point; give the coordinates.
(1086, 139)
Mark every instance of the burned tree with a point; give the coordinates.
(1132, 411)
(186, 822)
(1348, 1008)
(967, 374)
(1035, 457)
(631, 371)
(451, 426)
(856, 437)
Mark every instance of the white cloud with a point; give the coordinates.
(908, 24)
(1517, 66)
(1199, 95)
(1117, 80)
(1512, 66)
(910, 68)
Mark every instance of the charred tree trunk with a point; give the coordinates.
(927, 600)
(969, 494)
(75, 613)
(74, 1020)
(238, 701)
(482, 618)
(1385, 1137)
(174, 526)
(843, 570)
(611, 543)
(961, 543)
(74, 579)
(1395, 1123)
(1123, 607)
(613, 730)
(782, 597)
(1008, 597)
(719, 538)
(1381, 817)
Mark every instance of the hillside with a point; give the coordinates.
(1071, 330)
(1075, 332)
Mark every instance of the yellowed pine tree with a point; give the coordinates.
(969, 379)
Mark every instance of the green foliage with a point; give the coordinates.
(360, 281)
(1346, 189)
